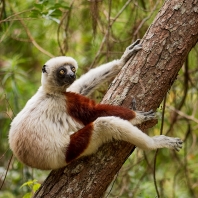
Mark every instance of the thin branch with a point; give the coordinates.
(6, 172)
(106, 34)
(113, 182)
(156, 153)
(30, 35)
(146, 19)
(189, 117)
(68, 13)
(5, 33)
(10, 18)
(186, 165)
(185, 84)
(34, 42)
(120, 12)
(108, 31)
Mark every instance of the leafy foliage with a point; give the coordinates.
(93, 32)
(33, 185)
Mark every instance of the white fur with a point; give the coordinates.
(60, 60)
(40, 133)
(92, 80)
(109, 128)
(36, 135)
(47, 79)
(99, 75)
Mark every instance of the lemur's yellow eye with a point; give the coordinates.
(73, 69)
(62, 72)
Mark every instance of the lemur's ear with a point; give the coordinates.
(44, 69)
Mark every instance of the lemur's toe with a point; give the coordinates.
(136, 48)
(134, 44)
(133, 104)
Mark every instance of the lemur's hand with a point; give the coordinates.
(130, 50)
(141, 116)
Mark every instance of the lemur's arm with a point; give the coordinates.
(87, 83)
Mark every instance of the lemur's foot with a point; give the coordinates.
(145, 116)
(136, 42)
(130, 50)
(142, 116)
(160, 141)
(169, 142)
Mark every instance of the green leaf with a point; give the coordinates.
(27, 195)
(58, 5)
(21, 73)
(36, 187)
(55, 13)
(20, 78)
(25, 184)
(29, 183)
(38, 6)
(44, 2)
(35, 13)
(5, 78)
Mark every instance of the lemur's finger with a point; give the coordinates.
(134, 44)
(132, 50)
(133, 104)
(136, 48)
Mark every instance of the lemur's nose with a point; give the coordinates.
(72, 75)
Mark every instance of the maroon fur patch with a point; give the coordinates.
(85, 110)
(79, 141)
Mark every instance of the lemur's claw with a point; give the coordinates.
(134, 44)
(130, 50)
(168, 142)
(148, 112)
(148, 115)
(133, 104)
(179, 144)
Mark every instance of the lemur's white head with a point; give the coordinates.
(58, 74)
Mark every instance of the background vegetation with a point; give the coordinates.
(93, 32)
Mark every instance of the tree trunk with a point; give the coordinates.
(147, 77)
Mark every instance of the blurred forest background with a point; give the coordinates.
(93, 32)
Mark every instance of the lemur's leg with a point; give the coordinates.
(88, 82)
(87, 140)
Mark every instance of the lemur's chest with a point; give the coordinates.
(46, 116)
(52, 113)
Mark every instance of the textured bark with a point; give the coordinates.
(147, 77)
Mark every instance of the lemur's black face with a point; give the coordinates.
(65, 75)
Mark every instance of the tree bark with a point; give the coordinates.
(147, 77)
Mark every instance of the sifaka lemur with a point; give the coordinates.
(60, 124)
